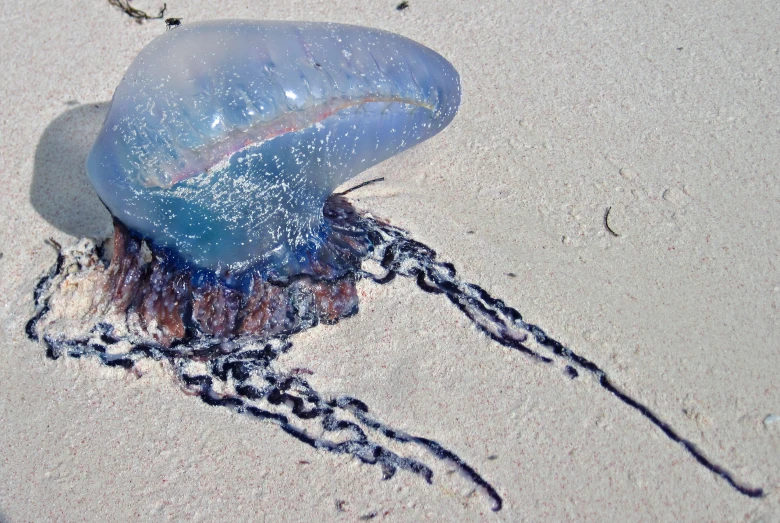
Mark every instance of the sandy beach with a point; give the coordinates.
(613, 174)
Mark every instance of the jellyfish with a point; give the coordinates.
(218, 161)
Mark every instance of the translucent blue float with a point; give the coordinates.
(225, 138)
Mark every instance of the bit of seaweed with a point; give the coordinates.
(606, 223)
(136, 14)
(244, 376)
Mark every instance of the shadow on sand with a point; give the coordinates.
(60, 191)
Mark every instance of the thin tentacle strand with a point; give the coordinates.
(401, 255)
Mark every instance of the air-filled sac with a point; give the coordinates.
(225, 138)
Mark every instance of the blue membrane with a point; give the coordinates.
(225, 138)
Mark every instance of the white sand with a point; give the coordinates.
(667, 114)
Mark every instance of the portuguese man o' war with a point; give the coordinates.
(218, 161)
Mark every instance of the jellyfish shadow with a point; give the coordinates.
(60, 191)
